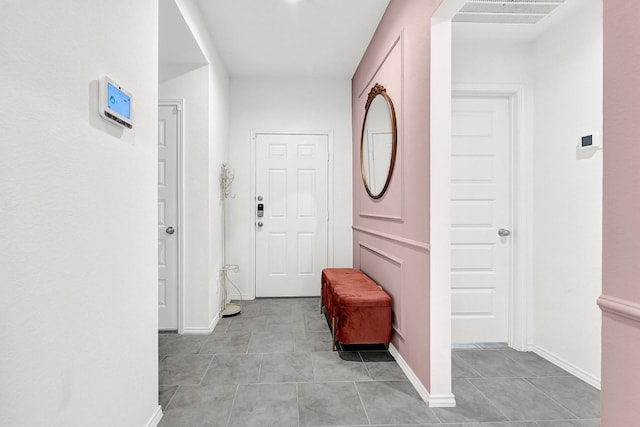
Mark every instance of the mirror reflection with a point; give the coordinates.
(378, 142)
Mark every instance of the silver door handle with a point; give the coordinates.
(503, 232)
(259, 224)
(170, 230)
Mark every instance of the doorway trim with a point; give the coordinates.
(521, 196)
(178, 104)
(252, 198)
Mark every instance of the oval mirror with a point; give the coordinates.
(378, 142)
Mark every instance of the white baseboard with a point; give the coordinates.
(155, 418)
(569, 367)
(199, 330)
(236, 297)
(434, 401)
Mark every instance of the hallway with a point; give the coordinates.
(272, 366)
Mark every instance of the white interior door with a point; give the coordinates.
(291, 236)
(480, 209)
(168, 136)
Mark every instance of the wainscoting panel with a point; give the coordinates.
(388, 272)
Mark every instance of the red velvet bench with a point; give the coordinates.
(358, 310)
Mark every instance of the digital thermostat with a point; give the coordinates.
(116, 103)
(590, 141)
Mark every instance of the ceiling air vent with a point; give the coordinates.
(506, 11)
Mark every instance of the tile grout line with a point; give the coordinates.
(298, 403)
(235, 396)
(365, 366)
(489, 400)
(362, 402)
(171, 400)
(204, 374)
(550, 397)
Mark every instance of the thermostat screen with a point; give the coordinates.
(587, 141)
(118, 101)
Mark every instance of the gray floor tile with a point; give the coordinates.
(519, 400)
(496, 424)
(165, 393)
(172, 344)
(574, 394)
(385, 371)
(249, 324)
(196, 406)
(271, 342)
(275, 342)
(286, 367)
(265, 405)
(570, 423)
(183, 369)
(471, 406)
(233, 369)
(493, 345)
(315, 322)
(231, 342)
(334, 366)
(312, 341)
(328, 404)
(394, 402)
(493, 364)
(536, 364)
(460, 368)
(223, 324)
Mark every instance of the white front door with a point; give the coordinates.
(480, 209)
(291, 235)
(168, 134)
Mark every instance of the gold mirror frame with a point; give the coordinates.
(379, 90)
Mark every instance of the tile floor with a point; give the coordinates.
(272, 366)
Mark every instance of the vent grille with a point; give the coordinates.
(506, 11)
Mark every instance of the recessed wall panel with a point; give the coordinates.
(472, 169)
(162, 173)
(471, 257)
(472, 213)
(277, 254)
(277, 151)
(472, 302)
(306, 243)
(306, 193)
(277, 198)
(386, 271)
(162, 212)
(162, 293)
(306, 151)
(162, 253)
(162, 133)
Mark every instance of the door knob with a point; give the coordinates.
(503, 232)
(170, 230)
(259, 224)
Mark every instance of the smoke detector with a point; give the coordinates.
(506, 11)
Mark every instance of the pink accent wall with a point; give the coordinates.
(621, 223)
(391, 234)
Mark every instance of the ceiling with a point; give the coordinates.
(178, 52)
(292, 38)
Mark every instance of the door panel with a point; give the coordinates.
(291, 245)
(480, 206)
(168, 128)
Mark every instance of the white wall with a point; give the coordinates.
(568, 190)
(560, 70)
(205, 208)
(192, 87)
(287, 105)
(78, 274)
